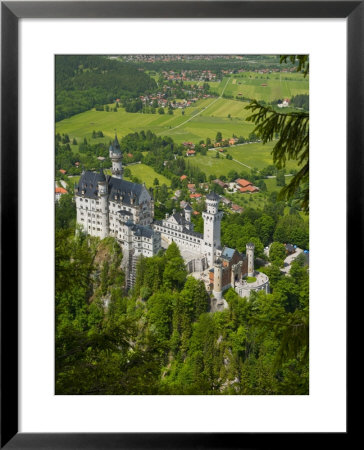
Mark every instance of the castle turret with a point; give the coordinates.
(217, 290)
(103, 193)
(116, 157)
(212, 226)
(250, 255)
(188, 213)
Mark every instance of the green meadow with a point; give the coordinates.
(257, 155)
(246, 156)
(196, 124)
(267, 87)
(147, 175)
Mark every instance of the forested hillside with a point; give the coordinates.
(83, 82)
(160, 338)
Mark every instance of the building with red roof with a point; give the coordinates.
(249, 189)
(237, 208)
(59, 191)
(243, 183)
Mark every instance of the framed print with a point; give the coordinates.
(137, 114)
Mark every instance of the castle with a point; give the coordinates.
(111, 206)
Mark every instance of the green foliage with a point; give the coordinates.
(65, 212)
(175, 273)
(292, 229)
(265, 227)
(303, 62)
(277, 253)
(293, 143)
(85, 81)
(160, 339)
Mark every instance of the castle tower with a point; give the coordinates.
(104, 203)
(115, 155)
(188, 213)
(250, 255)
(217, 290)
(212, 227)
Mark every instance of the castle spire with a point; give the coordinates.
(115, 155)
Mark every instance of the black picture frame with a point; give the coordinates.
(11, 12)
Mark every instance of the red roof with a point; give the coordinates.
(249, 189)
(191, 152)
(63, 171)
(130, 155)
(236, 207)
(220, 183)
(191, 185)
(183, 177)
(243, 182)
(60, 190)
(195, 195)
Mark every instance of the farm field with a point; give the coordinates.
(249, 155)
(82, 125)
(214, 118)
(267, 87)
(257, 155)
(211, 165)
(225, 115)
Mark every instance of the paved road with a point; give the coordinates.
(202, 110)
(290, 258)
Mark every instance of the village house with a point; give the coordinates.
(204, 186)
(196, 196)
(59, 191)
(225, 201)
(220, 183)
(243, 183)
(284, 104)
(236, 208)
(249, 189)
(189, 144)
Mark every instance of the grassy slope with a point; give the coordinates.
(214, 118)
(82, 125)
(147, 175)
(252, 155)
(279, 85)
